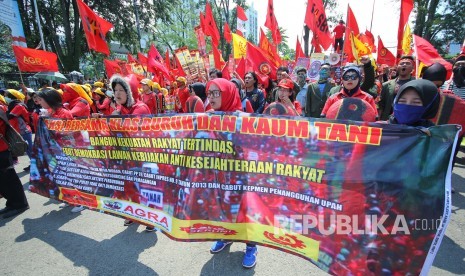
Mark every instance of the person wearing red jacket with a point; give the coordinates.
(19, 117)
(76, 100)
(351, 88)
(11, 188)
(182, 92)
(124, 98)
(148, 97)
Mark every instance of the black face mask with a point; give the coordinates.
(459, 76)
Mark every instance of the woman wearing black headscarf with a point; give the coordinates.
(416, 102)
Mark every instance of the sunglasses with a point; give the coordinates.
(213, 93)
(349, 77)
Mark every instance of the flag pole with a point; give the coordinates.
(372, 13)
(40, 27)
(345, 38)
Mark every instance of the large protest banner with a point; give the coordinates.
(353, 198)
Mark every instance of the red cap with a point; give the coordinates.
(286, 83)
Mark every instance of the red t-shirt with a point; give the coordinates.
(150, 99)
(183, 95)
(339, 31)
(194, 105)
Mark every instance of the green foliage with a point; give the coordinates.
(64, 34)
(7, 64)
(440, 22)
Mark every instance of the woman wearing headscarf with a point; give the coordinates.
(415, 104)
(76, 99)
(19, 117)
(223, 96)
(351, 79)
(124, 98)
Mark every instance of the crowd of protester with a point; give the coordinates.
(390, 95)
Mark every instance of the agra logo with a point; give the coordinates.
(200, 228)
(286, 239)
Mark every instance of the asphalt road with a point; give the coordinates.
(46, 240)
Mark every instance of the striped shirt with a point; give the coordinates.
(450, 85)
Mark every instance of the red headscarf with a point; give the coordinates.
(230, 99)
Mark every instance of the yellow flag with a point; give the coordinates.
(361, 48)
(407, 41)
(239, 46)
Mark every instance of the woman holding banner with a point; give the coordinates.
(223, 96)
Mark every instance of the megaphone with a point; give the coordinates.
(334, 58)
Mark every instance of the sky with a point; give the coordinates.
(290, 15)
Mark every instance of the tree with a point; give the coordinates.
(7, 62)
(440, 22)
(181, 33)
(63, 31)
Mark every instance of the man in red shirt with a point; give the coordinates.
(148, 97)
(182, 92)
(339, 31)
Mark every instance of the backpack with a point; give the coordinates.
(12, 138)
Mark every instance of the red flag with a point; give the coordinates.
(241, 13)
(315, 19)
(240, 69)
(316, 45)
(225, 71)
(384, 55)
(371, 40)
(272, 24)
(202, 21)
(95, 28)
(180, 71)
(268, 49)
(406, 7)
(427, 54)
(167, 60)
(298, 50)
(155, 66)
(239, 32)
(210, 25)
(352, 26)
(112, 67)
(227, 32)
(217, 56)
(258, 62)
(142, 59)
(131, 59)
(31, 60)
(155, 54)
(153, 62)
